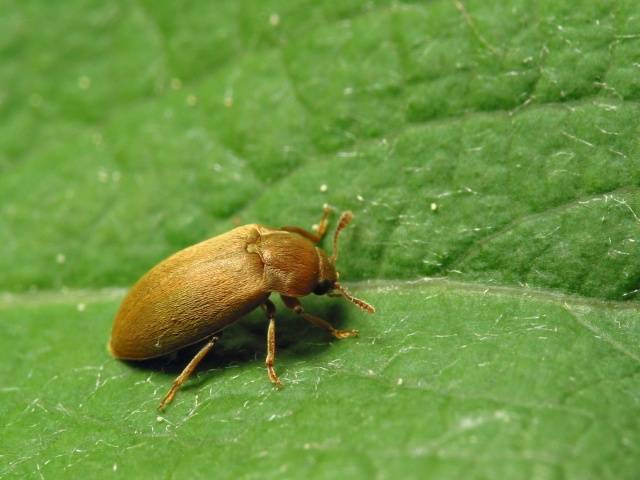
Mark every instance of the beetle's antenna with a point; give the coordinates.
(345, 219)
(360, 303)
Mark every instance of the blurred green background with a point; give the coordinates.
(490, 153)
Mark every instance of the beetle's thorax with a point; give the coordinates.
(293, 265)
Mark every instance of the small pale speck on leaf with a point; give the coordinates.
(360, 198)
(433, 206)
(81, 307)
(61, 258)
(324, 188)
(400, 382)
(84, 82)
(502, 415)
(176, 83)
(192, 100)
(274, 19)
(228, 101)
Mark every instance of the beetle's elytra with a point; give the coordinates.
(194, 294)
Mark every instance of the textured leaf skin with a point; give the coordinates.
(445, 380)
(490, 146)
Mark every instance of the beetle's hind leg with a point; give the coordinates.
(295, 305)
(188, 370)
(270, 310)
(320, 229)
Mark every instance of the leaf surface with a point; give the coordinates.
(489, 152)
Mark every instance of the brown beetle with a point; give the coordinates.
(197, 292)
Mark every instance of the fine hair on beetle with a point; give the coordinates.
(194, 294)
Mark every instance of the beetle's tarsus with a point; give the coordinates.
(340, 334)
(168, 398)
(273, 376)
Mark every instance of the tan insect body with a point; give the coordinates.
(195, 293)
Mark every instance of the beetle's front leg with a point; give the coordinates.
(320, 229)
(295, 305)
(270, 310)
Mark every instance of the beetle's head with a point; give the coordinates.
(328, 278)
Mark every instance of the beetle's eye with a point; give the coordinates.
(323, 287)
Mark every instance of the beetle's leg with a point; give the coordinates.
(321, 229)
(188, 370)
(294, 304)
(270, 310)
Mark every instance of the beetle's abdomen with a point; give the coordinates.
(189, 296)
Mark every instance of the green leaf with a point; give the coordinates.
(489, 152)
(450, 379)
